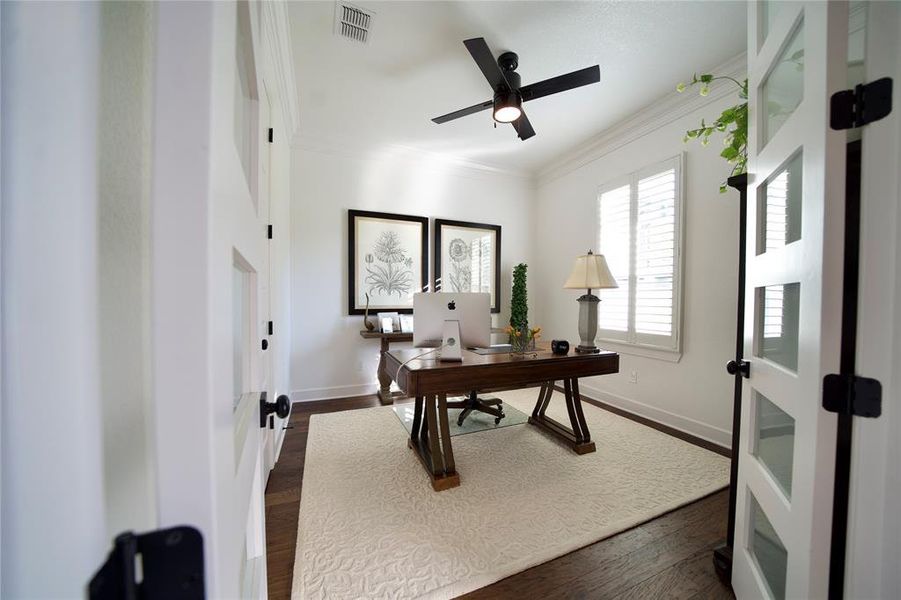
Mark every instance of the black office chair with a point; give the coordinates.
(492, 406)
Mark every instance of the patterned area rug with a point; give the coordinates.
(371, 527)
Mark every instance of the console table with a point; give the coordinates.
(431, 381)
(384, 393)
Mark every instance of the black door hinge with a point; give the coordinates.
(852, 395)
(270, 135)
(269, 232)
(171, 566)
(864, 104)
(270, 327)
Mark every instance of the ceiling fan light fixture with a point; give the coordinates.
(507, 106)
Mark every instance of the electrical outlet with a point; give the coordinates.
(633, 376)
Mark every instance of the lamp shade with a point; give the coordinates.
(590, 271)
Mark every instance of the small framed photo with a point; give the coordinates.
(406, 323)
(386, 325)
(393, 320)
(468, 258)
(387, 261)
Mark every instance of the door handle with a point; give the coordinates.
(739, 366)
(281, 407)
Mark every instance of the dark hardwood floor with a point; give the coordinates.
(668, 557)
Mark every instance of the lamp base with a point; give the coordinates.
(588, 323)
(587, 349)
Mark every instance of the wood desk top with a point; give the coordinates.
(485, 372)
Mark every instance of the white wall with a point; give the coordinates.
(695, 394)
(52, 506)
(329, 359)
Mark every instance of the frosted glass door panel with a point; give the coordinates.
(779, 210)
(777, 323)
(774, 441)
(768, 550)
(783, 88)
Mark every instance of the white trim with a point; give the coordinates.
(720, 437)
(644, 350)
(338, 391)
(649, 119)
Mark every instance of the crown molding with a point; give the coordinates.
(276, 31)
(647, 120)
(361, 150)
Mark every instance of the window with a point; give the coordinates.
(639, 233)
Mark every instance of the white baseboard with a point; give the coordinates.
(705, 431)
(339, 391)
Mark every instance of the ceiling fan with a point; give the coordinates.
(508, 95)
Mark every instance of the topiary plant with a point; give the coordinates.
(519, 307)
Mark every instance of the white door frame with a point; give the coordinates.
(874, 527)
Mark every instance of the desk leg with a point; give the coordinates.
(577, 435)
(449, 465)
(431, 441)
(384, 378)
(417, 419)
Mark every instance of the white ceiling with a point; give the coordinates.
(415, 67)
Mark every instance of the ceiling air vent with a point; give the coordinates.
(352, 22)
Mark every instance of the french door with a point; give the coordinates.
(796, 60)
(210, 283)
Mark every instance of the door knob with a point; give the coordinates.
(281, 407)
(739, 366)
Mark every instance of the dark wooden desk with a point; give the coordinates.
(431, 381)
(385, 395)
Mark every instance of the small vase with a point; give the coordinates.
(522, 343)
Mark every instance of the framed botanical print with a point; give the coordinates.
(468, 258)
(387, 258)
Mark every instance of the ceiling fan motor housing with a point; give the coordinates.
(508, 95)
(508, 61)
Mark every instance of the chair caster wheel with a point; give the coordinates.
(497, 421)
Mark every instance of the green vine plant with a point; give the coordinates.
(733, 122)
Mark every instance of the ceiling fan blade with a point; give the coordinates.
(481, 53)
(464, 111)
(561, 83)
(523, 127)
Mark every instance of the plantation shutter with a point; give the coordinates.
(639, 234)
(655, 253)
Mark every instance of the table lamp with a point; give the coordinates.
(590, 272)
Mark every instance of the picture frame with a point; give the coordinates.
(468, 259)
(387, 258)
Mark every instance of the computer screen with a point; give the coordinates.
(472, 310)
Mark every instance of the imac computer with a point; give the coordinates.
(471, 310)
